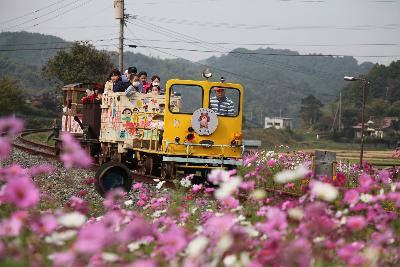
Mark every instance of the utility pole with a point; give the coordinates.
(119, 14)
(340, 112)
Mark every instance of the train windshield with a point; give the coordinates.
(185, 98)
(225, 101)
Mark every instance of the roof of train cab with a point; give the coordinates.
(79, 86)
(204, 82)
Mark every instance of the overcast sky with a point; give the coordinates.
(366, 29)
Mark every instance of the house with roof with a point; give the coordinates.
(375, 127)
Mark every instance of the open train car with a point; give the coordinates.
(79, 119)
(179, 132)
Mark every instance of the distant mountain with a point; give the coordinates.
(274, 80)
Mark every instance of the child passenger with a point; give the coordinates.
(155, 90)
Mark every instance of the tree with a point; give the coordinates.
(82, 63)
(11, 97)
(310, 110)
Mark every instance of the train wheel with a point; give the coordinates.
(148, 164)
(112, 175)
(167, 170)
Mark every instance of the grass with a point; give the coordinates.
(40, 138)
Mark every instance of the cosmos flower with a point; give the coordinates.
(286, 176)
(356, 223)
(227, 188)
(171, 242)
(351, 197)
(73, 154)
(324, 191)
(22, 192)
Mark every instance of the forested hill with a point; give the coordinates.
(274, 83)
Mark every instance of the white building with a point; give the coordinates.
(278, 123)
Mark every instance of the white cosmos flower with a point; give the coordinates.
(286, 176)
(110, 257)
(59, 238)
(72, 220)
(324, 191)
(295, 213)
(227, 188)
(185, 182)
(365, 198)
(160, 184)
(197, 246)
(128, 203)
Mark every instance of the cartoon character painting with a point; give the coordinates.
(204, 119)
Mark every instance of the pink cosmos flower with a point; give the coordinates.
(5, 148)
(11, 125)
(209, 190)
(22, 192)
(384, 176)
(248, 185)
(39, 170)
(63, 258)
(230, 202)
(218, 175)
(276, 224)
(196, 188)
(73, 154)
(114, 198)
(351, 197)
(289, 185)
(216, 226)
(356, 223)
(45, 224)
(13, 225)
(271, 162)
(88, 181)
(143, 263)
(249, 159)
(141, 203)
(78, 204)
(171, 242)
(11, 172)
(365, 182)
(91, 238)
(349, 253)
(297, 253)
(137, 185)
(136, 230)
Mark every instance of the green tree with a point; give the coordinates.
(310, 110)
(82, 63)
(12, 100)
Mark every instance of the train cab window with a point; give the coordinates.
(225, 101)
(185, 98)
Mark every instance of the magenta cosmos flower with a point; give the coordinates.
(73, 154)
(22, 192)
(171, 242)
(351, 197)
(356, 223)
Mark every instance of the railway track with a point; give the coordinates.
(23, 143)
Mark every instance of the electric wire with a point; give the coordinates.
(31, 12)
(43, 15)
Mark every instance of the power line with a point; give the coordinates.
(31, 12)
(263, 54)
(268, 44)
(60, 42)
(43, 15)
(45, 48)
(250, 58)
(268, 26)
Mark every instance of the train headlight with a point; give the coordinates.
(177, 139)
(190, 137)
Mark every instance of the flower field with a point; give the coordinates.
(351, 219)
